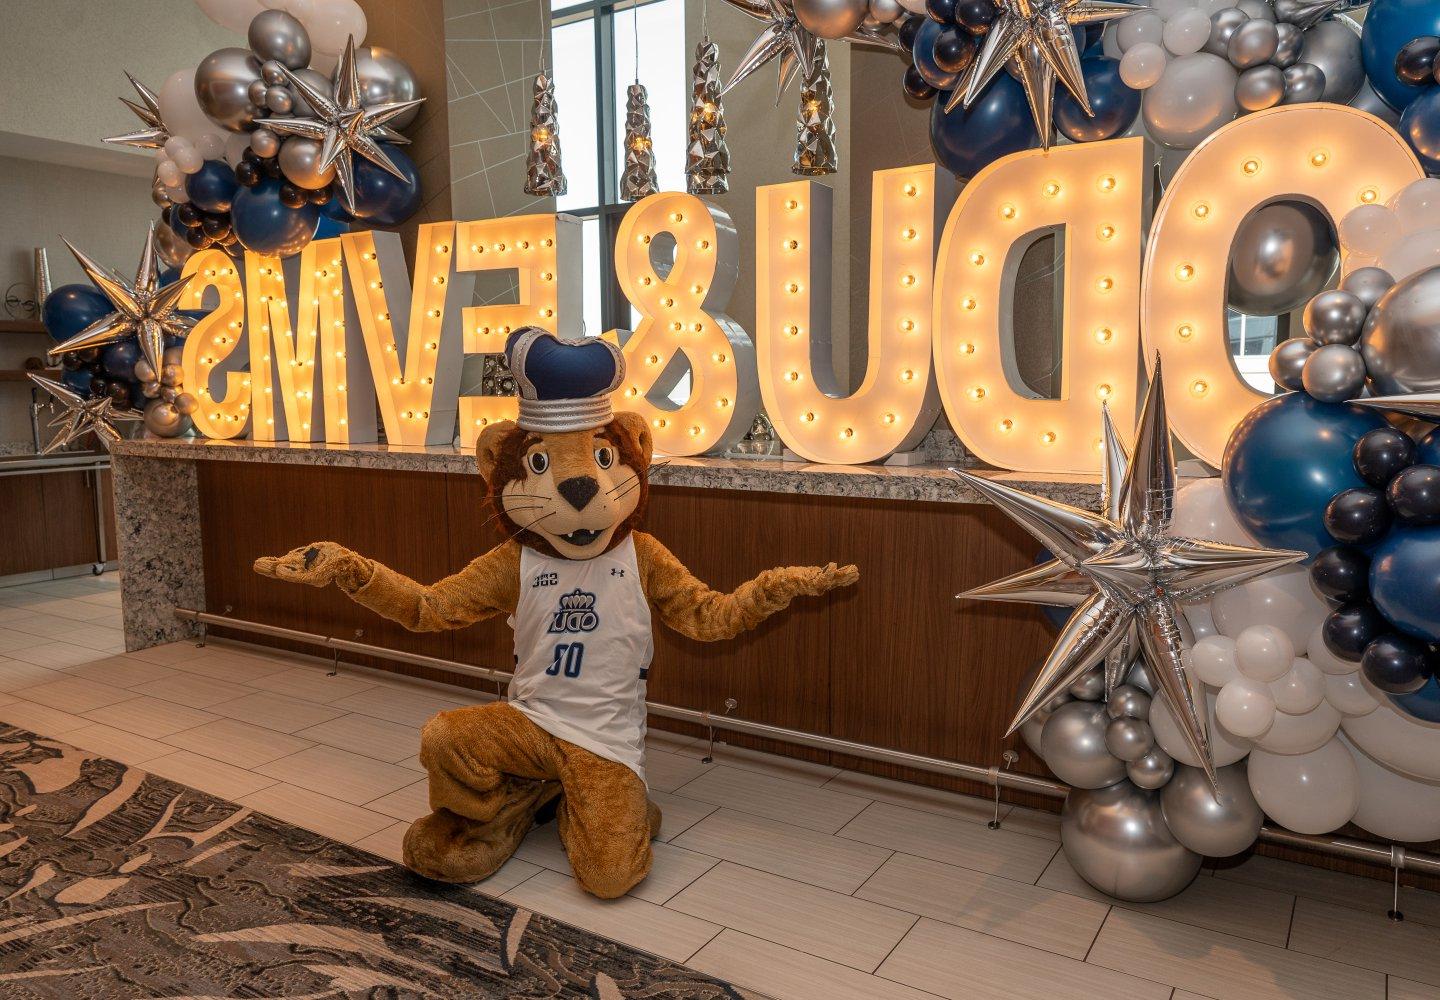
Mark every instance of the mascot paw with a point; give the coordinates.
(318, 565)
(822, 579)
(446, 847)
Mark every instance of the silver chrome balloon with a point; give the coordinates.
(1335, 317)
(151, 388)
(1223, 25)
(1304, 13)
(1368, 284)
(222, 86)
(1217, 824)
(830, 19)
(163, 420)
(1283, 254)
(1401, 342)
(1073, 746)
(186, 403)
(1260, 87)
(1129, 739)
(1335, 49)
(1151, 771)
(1127, 701)
(272, 72)
(1117, 840)
(1287, 362)
(277, 35)
(1139, 677)
(1334, 373)
(300, 163)
(1304, 83)
(264, 142)
(786, 39)
(1291, 41)
(1259, 10)
(256, 93)
(318, 82)
(1090, 686)
(279, 100)
(1253, 43)
(385, 78)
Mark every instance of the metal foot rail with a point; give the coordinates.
(1382, 855)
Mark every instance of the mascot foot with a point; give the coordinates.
(450, 848)
(652, 812)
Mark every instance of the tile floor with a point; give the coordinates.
(790, 879)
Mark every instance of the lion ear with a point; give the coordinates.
(487, 448)
(634, 429)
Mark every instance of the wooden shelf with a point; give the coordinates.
(23, 374)
(28, 326)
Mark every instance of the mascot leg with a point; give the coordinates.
(605, 822)
(491, 769)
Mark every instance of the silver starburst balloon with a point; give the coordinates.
(1038, 37)
(1304, 14)
(155, 133)
(82, 416)
(786, 39)
(1421, 405)
(342, 125)
(143, 309)
(1137, 572)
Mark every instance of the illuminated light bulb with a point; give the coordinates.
(968, 304)
(653, 359)
(792, 244)
(792, 330)
(1199, 387)
(908, 375)
(547, 242)
(1006, 426)
(647, 280)
(1007, 211)
(632, 392)
(908, 233)
(1184, 331)
(977, 393)
(1319, 158)
(1106, 183)
(808, 416)
(443, 248)
(427, 380)
(907, 325)
(644, 238)
(383, 317)
(1185, 272)
(1052, 188)
(343, 421)
(793, 288)
(967, 348)
(439, 279)
(1047, 438)
(719, 358)
(373, 285)
(1369, 195)
(677, 326)
(340, 387)
(1201, 210)
(1250, 167)
(792, 204)
(847, 433)
(702, 244)
(524, 244)
(977, 258)
(474, 248)
(677, 217)
(547, 312)
(697, 289)
(1106, 232)
(667, 302)
(499, 247)
(1105, 284)
(389, 349)
(697, 327)
(1104, 391)
(547, 275)
(722, 402)
(908, 280)
(888, 418)
(660, 422)
(792, 376)
(1104, 335)
(434, 313)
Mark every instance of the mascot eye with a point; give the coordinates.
(604, 457)
(538, 462)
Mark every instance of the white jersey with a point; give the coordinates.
(583, 646)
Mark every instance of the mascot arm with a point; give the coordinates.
(488, 586)
(691, 608)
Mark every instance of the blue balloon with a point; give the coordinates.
(330, 228)
(138, 399)
(79, 380)
(1423, 704)
(1428, 450)
(169, 276)
(996, 125)
(1405, 580)
(1115, 105)
(119, 358)
(1420, 125)
(380, 196)
(1284, 462)
(71, 308)
(335, 209)
(1389, 26)
(266, 226)
(924, 55)
(212, 187)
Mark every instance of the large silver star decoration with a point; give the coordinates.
(82, 416)
(143, 309)
(1304, 14)
(343, 126)
(1136, 571)
(1421, 405)
(155, 133)
(786, 39)
(1037, 36)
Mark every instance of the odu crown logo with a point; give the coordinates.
(576, 614)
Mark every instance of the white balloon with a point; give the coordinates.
(169, 173)
(1202, 511)
(1213, 660)
(179, 107)
(177, 193)
(1264, 653)
(1301, 690)
(1395, 806)
(189, 159)
(1349, 695)
(1417, 206)
(235, 145)
(1110, 42)
(1313, 792)
(1291, 734)
(1139, 28)
(1244, 707)
(914, 6)
(1398, 741)
(1319, 654)
(331, 22)
(1369, 229)
(1202, 622)
(1186, 31)
(1167, 9)
(1142, 65)
(1225, 746)
(233, 14)
(1412, 254)
(1282, 599)
(211, 145)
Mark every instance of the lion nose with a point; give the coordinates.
(578, 490)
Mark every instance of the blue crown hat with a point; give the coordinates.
(564, 385)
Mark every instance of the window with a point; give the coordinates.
(594, 46)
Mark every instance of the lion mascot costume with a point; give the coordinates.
(578, 581)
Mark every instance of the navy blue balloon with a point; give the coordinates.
(996, 125)
(138, 399)
(1389, 26)
(1285, 461)
(212, 187)
(1115, 105)
(266, 226)
(71, 308)
(79, 380)
(1405, 580)
(330, 228)
(1423, 704)
(1420, 125)
(335, 209)
(924, 55)
(1427, 452)
(119, 358)
(380, 196)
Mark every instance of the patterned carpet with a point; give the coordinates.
(119, 884)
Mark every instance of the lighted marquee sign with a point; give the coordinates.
(309, 349)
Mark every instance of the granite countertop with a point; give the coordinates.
(931, 482)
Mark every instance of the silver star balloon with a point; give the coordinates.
(155, 133)
(786, 39)
(82, 416)
(343, 125)
(1304, 14)
(1422, 405)
(1138, 573)
(143, 309)
(1037, 37)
